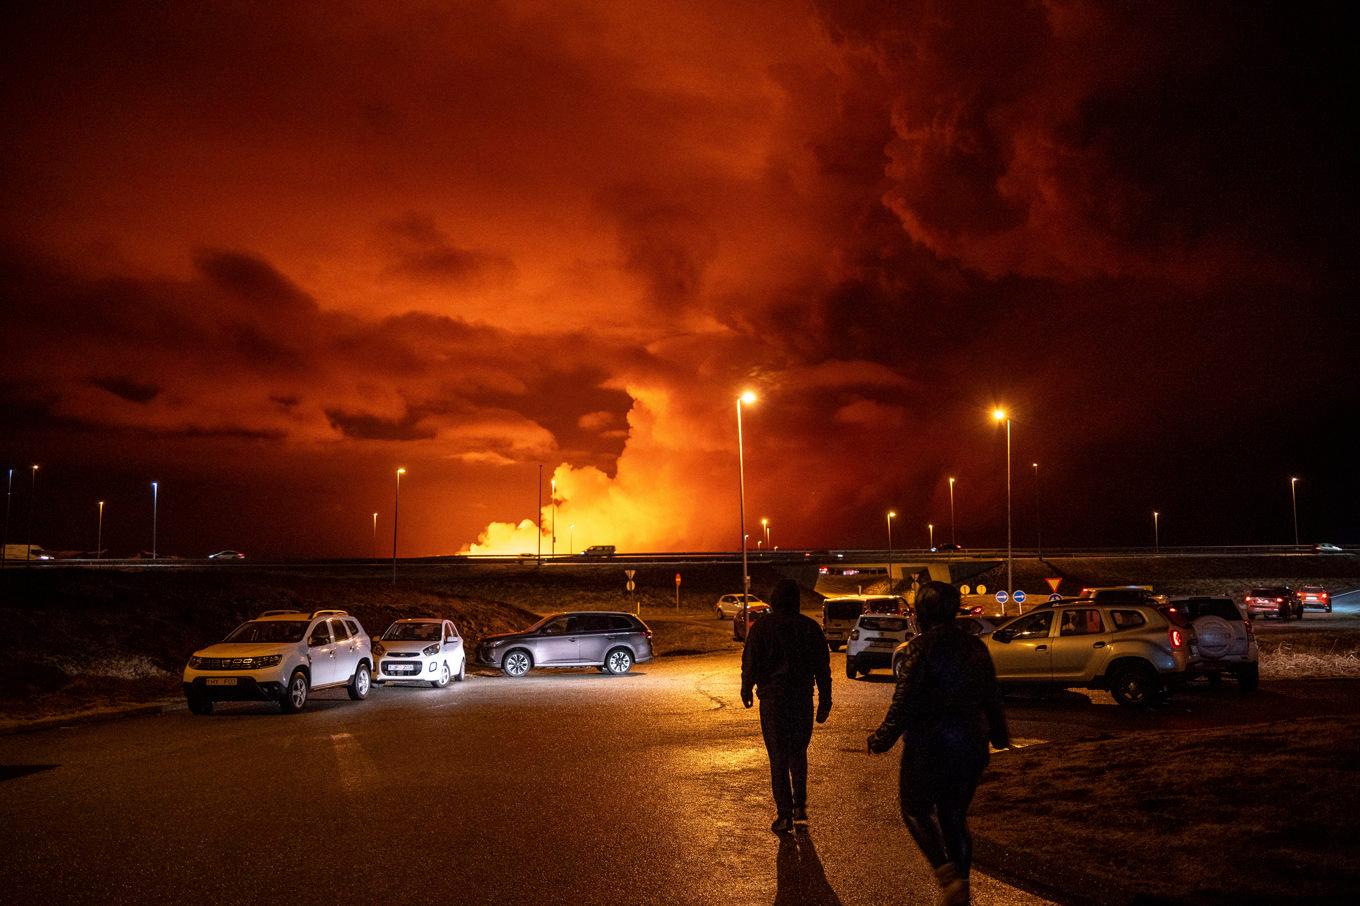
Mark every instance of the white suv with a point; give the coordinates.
(874, 639)
(281, 656)
(420, 650)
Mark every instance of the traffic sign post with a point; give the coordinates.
(1002, 598)
(1055, 597)
(1019, 596)
(1053, 584)
(965, 590)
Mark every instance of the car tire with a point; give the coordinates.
(295, 693)
(718, 611)
(850, 671)
(1135, 686)
(444, 677)
(618, 661)
(517, 663)
(199, 704)
(1248, 678)
(360, 683)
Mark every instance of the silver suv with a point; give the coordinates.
(1137, 651)
(610, 641)
(1224, 641)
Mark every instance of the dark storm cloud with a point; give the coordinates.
(425, 253)
(127, 389)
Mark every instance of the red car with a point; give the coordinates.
(1278, 601)
(1315, 597)
(752, 613)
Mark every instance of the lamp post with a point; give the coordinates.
(1156, 532)
(552, 550)
(748, 398)
(1293, 498)
(375, 535)
(99, 534)
(4, 539)
(32, 496)
(1000, 415)
(952, 539)
(765, 531)
(396, 510)
(571, 540)
(891, 516)
(538, 518)
(930, 527)
(155, 514)
(1038, 523)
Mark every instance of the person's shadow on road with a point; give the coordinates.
(799, 877)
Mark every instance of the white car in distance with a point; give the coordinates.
(423, 650)
(874, 639)
(728, 605)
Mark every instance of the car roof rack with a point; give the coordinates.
(278, 613)
(328, 613)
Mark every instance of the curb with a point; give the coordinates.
(96, 717)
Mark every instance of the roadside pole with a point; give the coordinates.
(629, 587)
(677, 592)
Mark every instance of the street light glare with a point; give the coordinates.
(401, 471)
(748, 397)
(999, 414)
(892, 515)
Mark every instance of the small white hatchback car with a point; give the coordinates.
(282, 656)
(874, 639)
(728, 606)
(421, 650)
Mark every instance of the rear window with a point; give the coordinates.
(1211, 607)
(1276, 592)
(842, 610)
(1126, 619)
(621, 623)
(885, 624)
(883, 605)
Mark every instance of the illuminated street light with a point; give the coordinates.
(552, 551)
(375, 536)
(1038, 523)
(952, 539)
(155, 513)
(32, 496)
(4, 538)
(1000, 415)
(571, 540)
(396, 509)
(931, 529)
(1156, 532)
(748, 398)
(891, 516)
(1293, 498)
(765, 529)
(99, 534)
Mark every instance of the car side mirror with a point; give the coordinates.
(1003, 635)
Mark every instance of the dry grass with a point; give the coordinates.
(1267, 811)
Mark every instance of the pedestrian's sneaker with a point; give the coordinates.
(953, 886)
(782, 825)
(800, 814)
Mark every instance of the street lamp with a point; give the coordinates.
(375, 536)
(4, 539)
(891, 516)
(765, 530)
(1293, 497)
(1156, 532)
(748, 397)
(32, 496)
(155, 514)
(952, 539)
(1000, 415)
(571, 540)
(552, 551)
(396, 509)
(99, 534)
(931, 528)
(1038, 522)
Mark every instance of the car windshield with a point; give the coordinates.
(843, 610)
(540, 624)
(413, 632)
(268, 632)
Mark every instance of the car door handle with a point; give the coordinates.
(1098, 645)
(1040, 647)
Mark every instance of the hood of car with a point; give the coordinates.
(500, 636)
(229, 649)
(408, 644)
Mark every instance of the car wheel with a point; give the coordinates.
(1135, 687)
(718, 611)
(199, 704)
(443, 677)
(619, 661)
(295, 695)
(360, 683)
(1248, 678)
(517, 663)
(850, 671)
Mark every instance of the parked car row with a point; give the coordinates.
(285, 655)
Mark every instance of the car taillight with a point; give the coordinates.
(1251, 633)
(854, 635)
(1177, 640)
(1279, 600)
(1323, 596)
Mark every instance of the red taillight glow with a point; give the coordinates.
(1177, 640)
(1279, 600)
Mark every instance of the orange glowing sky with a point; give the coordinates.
(266, 253)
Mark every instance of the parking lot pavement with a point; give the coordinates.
(570, 786)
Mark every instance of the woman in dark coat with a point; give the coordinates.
(946, 708)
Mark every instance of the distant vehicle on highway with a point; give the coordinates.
(607, 640)
(1136, 651)
(873, 641)
(227, 555)
(1325, 548)
(1315, 597)
(742, 622)
(1278, 601)
(282, 656)
(1224, 642)
(25, 552)
(947, 547)
(728, 605)
(600, 551)
(422, 650)
(840, 613)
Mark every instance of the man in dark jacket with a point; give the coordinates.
(946, 708)
(785, 655)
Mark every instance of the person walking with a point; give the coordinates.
(785, 656)
(946, 708)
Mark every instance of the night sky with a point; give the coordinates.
(266, 253)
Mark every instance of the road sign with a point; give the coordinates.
(1053, 584)
(965, 590)
(632, 586)
(1019, 596)
(982, 589)
(1055, 597)
(1002, 597)
(677, 580)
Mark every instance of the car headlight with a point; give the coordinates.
(496, 643)
(268, 660)
(195, 662)
(430, 650)
(854, 635)
(378, 648)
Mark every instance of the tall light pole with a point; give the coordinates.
(952, 539)
(4, 539)
(891, 516)
(155, 514)
(32, 496)
(930, 527)
(748, 398)
(765, 531)
(396, 510)
(1038, 523)
(1000, 415)
(571, 540)
(1293, 498)
(99, 534)
(375, 535)
(1156, 532)
(538, 518)
(552, 552)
